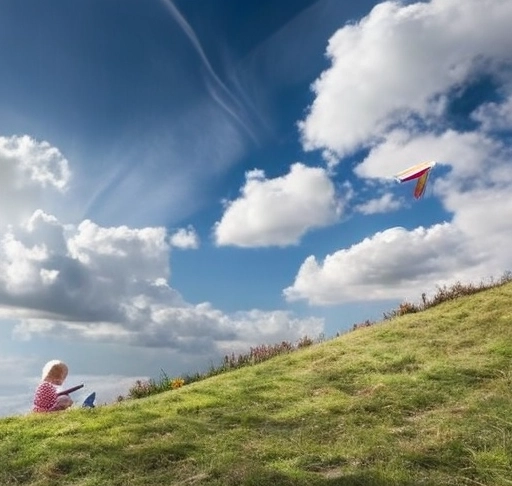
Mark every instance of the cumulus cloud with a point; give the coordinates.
(402, 61)
(401, 264)
(81, 273)
(28, 170)
(467, 154)
(279, 211)
(392, 264)
(257, 327)
(186, 329)
(111, 285)
(185, 238)
(103, 284)
(389, 89)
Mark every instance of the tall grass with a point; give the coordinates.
(264, 352)
(447, 293)
(257, 354)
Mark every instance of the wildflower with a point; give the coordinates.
(177, 383)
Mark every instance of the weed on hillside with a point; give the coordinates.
(264, 352)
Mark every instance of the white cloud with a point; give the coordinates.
(105, 284)
(39, 162)
(84, 273)
(401, 60)
(468, 153)
(383, 204)
(279, 211)
(186, 329)
(28, 169)
(258, 327)
(107, 249)
(185, 238)
(400, 264)
(495, 116)
(385, 266)
(110, 285)
(484, 215)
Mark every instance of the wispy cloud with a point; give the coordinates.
(382, 204)
(218, 90)
(159, 176)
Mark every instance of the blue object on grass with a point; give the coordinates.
(89, 401)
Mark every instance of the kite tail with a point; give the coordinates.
(421, 185)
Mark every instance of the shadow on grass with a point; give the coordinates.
(371, 479)
(327, 478)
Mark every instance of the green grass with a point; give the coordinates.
(421, 399)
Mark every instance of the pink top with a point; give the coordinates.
(45, 397)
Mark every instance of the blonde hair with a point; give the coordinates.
(54, 369)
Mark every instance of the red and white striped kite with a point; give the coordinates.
(420, 172)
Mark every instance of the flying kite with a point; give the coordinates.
(420, 172)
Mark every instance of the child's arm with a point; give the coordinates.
(70, 390)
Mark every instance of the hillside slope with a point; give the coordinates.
(424, 399)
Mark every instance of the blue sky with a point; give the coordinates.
(185, 179)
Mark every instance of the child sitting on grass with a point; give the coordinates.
(46, 397)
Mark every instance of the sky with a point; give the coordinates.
(184, 179)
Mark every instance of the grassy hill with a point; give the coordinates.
(422, 399)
